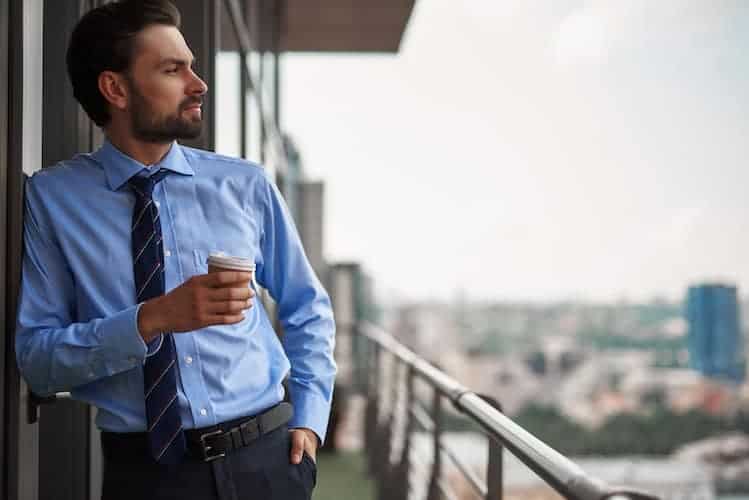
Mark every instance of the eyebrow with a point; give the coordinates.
(177, 61)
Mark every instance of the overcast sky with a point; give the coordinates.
(544, 150)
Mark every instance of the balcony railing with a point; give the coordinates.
(395, 413)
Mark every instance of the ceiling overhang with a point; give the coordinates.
(344, 25)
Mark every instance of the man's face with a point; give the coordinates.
(165, 96)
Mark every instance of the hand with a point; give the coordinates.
(303, 439)
(217, 298)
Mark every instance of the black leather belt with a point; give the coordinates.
(215, 442)
(207, 443)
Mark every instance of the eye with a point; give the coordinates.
(171, 71)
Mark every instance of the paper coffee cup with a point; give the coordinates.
(219, 261)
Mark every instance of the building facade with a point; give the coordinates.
(715, 339)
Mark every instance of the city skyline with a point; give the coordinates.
(536, 150)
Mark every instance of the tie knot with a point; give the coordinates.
(143, 186)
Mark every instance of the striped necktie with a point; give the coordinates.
(165, 435)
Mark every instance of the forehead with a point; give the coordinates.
(158, 42)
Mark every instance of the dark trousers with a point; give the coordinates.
(260, 471)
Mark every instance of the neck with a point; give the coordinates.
(147, 153)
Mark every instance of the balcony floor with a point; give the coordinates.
(343, 475)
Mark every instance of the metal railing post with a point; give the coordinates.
(385, 434)
(370, 418)
(403, 470)
(434, 488)
(494, 479)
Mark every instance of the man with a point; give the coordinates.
(116, 303)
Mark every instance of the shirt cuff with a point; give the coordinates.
(121, 338)
(310, 411)
(155, 344)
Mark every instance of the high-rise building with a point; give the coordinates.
(305, 199)
(716, 343)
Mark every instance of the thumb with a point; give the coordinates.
(297, 446)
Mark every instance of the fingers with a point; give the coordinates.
(223, 319)
(297, 445)
(229, 294)
(228, 307)
(224, 278)
(303, 439)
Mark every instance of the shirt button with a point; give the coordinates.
(188, 360)
(167, 253)
(203, 412)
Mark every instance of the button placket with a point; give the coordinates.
(191, 378)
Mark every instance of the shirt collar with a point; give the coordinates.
(119, 167)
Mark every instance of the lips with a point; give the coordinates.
(193, 105)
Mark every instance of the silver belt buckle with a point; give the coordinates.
(207, 457)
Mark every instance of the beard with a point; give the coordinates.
(147, 126)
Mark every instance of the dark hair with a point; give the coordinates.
(103, 40)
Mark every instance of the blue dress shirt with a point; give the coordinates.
(77, 319)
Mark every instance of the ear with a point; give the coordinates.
(114, 89)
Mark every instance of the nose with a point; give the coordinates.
(197, 85)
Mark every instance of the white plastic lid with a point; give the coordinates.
(220, 259)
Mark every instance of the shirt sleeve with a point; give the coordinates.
(305, 313)
(54, 353)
